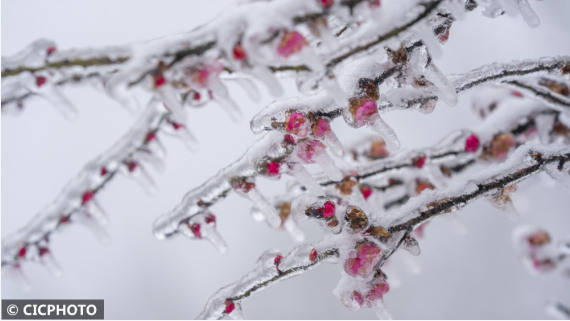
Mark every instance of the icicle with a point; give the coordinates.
(171, 100)
(411, 245)
(249, 87)
(220, 94)
(529, 16)
(49, 262)
(294, 231)
(16, 273)
(269, 212)
(96, 226)
(268, 78)
(381, 312)
(387, 133)
(57, 99)
(301, 174)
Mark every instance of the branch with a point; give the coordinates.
(484, 187)
(265, 275)
(77, 201)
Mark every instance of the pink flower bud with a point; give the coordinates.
(131, 165)
(87, 197)
(195, 228)
(277, 260)
(40, 81)
(50, 50)
(419, 161)
(472, 143)
(211, 218)
(159, 81)
(321, 127)
(291, 42)
(516, 93)
(22, 252)
(328, 209)
(308, 149)
(150, 137)
(363, 112)
(230, 306)
(103, 171)
(294, 122)
(238, 52)
(43, 251)
(374, 3)
(273, 168)
(366, 191)
(357, 297)
(313, 255)
(377, 292)
(362, 262)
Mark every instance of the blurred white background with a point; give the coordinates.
(476, 275)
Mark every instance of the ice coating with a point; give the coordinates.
(78, 200)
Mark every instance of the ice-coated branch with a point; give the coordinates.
(485, 187)
(241, 41)
(277, 154)
(269, 270)
(273, 267)
(77, 202)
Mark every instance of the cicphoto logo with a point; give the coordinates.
(52, 309)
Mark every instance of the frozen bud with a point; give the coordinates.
(241, 184)
(516, 93)
(328, 209)
(288, 140)
(377, 291)
(538, 238)
(378, 149)
(103, 171)
(419, 161)
(313, 255)
(195, 228)
(362, 260)
(326, 3)
(86, 197)
(22, 252)
(291, 42)
(501, 145)
(333, 223)
(565, 69)
(269, 168)
(320, 127)
(210, 218)
(238, 52)
(150, 137)
(368, 88)
(296, 123)
(50, 50)
(277, 261)
(422, 185)
(131, 165)
(308, 149)
(202, 75)
(362, 110)
(356, 218)
(159, 80)
(399, 56)
(346, 185)
(378, 231)
(40, 80)
(64, 219)
(472, 143)
(284, 211)
(230, 306)
(357, 297)
(365, 190)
